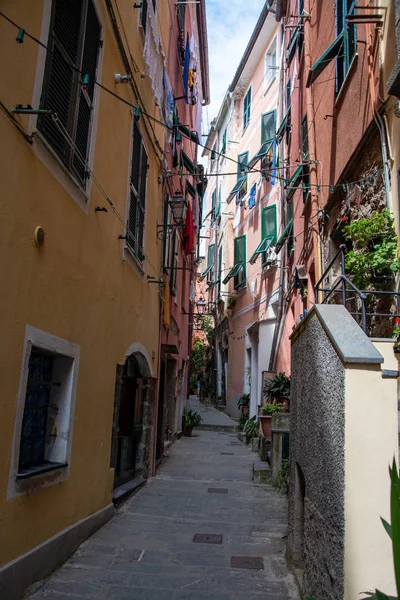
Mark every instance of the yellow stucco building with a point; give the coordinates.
(80, 198)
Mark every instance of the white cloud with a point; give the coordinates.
(230, 24)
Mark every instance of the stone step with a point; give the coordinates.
(262, 473)
(227, 428)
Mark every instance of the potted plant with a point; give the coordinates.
(244, 403)
(190, 419)
(277, 390)
(266, 417)
(250, 429)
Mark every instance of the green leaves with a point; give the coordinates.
(395, 516)
(374, 250)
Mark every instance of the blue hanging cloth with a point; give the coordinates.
(273, 172)
(186, 70)
(252, 198)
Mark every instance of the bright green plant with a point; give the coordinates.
(251, 429)
(374, 250)
(277, 387)
(242, 421)
(270, 409)
(282, 479)
(191, 418)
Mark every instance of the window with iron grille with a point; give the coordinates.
(137, 204)
(69, 82)
(246, 109)
(42, 447)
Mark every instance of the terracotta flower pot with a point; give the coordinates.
(266, 426)
(245, 410)
(187, 431)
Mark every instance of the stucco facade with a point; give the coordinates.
(78, 291)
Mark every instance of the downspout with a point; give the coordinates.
(276, 340)
(312, 142)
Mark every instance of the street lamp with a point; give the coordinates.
(201, 305)
(178, 206)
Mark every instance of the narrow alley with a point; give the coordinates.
(147, 550)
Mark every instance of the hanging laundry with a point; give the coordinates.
(168, 101)
(153, 55)
(186, 66)
(252, 196)
(188, 232)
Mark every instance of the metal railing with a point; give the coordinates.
(340, 287)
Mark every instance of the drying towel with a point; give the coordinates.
(153, 56)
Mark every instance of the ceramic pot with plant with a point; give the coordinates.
(266, 417)
(277, 390)
(244, 403)
(190, 419)
(250, 429)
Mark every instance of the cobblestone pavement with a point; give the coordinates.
(147, 552)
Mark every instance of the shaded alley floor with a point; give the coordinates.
(147, 550)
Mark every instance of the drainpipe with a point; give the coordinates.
(312, 142)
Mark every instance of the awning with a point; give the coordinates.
(282, 126)
(191, 189)
(237, 187)
(292, 44)
(192, 135)
(188, 163)
(265, 148)
(233, 272)
(205, 273)
(324, 60)
(294, 182)
(287, 231)
(262, 247)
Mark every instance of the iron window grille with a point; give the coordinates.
(69, 82)
(137, 205)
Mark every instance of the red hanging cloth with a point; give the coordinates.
(188, 232)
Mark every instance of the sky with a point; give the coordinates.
(230, 24)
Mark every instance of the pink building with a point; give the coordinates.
(244, 221)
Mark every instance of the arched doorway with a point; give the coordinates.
(131, 408)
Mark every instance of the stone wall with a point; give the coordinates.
(316, 493)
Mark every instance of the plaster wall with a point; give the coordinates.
(370, 447)
(80, 286)
(316, 524)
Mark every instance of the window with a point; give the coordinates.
(268, 126)
(268, 234)
(173, 264)
(210, 264)
(219, 272)
(213, 204)
(223, 146)
(181, 11)
(135, 225)
(240, 188)
(343, 48)
(238, 271)
(305, 157)
(270, 63)
(69, 83)
(344, 58)
(246, 109)
(144, 11)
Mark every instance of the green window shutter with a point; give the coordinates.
(261, 249)
(223, 147)
(174, 264)
(136, 217)
(268, 125)
(246, 109)
(323, 61)
(268, 223)
(243, 160)
(211, 255)
(240, 260)
(304, 137)
(73, 56)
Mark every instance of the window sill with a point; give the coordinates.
(133, 261)
(340, 93)
(49, 158)
(44, 468)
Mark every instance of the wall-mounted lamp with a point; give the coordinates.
(178, 206)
